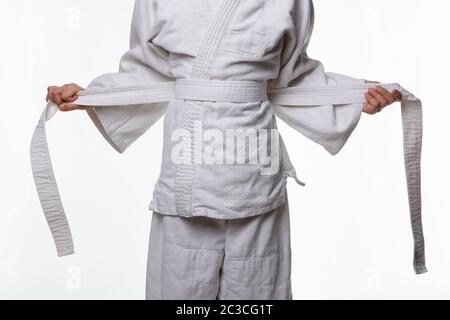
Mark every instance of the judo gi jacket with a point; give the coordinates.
(224, 65)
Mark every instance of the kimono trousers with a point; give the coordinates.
(221, 71)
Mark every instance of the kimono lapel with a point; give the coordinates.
(191, 111)
(211, 43)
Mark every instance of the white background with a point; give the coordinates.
(350, 226)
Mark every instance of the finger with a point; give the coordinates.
(69, 96)
(386, 94)
(49, 93)
(381, 100)
(370, 108)
(51, 88)
(55, 95)
(397, 95)
(370, 98)
(65, 107)
(369, 81)
(71, 99)
(74, 87)
(69, 92)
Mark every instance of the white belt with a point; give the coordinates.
(232, 92)
(223, 91)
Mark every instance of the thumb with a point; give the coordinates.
(69, 107)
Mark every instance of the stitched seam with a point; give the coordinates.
(279, 253)
(274, 283)
(217, 252)
(94, 117)
(128, 119)
(267, 207)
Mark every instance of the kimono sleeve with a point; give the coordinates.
(328, 125)
(143, 63)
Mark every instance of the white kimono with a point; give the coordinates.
(226, 64)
